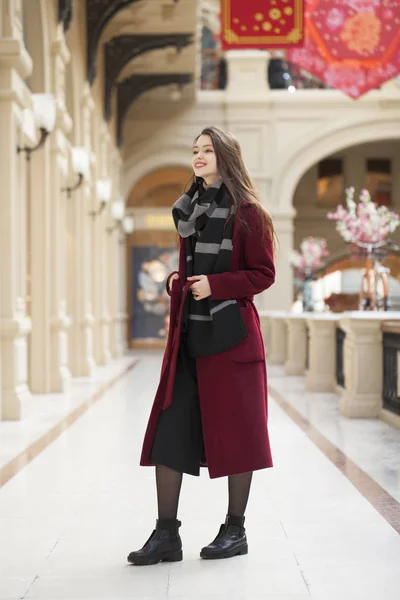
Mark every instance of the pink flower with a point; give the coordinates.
(364, 222)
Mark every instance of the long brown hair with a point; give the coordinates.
(236, 177)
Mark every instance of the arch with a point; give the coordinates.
(159, 188)
(327, 142)
(137, 168)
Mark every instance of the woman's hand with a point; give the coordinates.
(201, 288)
(173, 277)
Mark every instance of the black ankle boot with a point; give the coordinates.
(230, 541)
(164, 545)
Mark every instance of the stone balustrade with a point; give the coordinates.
(321, 372)
(296, 348)
(274, 323)
(306, 344)
(363, 363)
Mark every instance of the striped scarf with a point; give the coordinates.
(212, 326)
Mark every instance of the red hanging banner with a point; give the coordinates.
(352, 45)
(261, 24)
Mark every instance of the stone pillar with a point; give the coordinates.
(113, 292)
(60, 376)
(296, 345)
(362, 396)
(280, 295)
(101, 345)
(320, 376)
(15, 66)
(278, 337)
(81, 358)
(117, 246)
(104, 277)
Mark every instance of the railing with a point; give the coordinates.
(340, 335)
(391, 349)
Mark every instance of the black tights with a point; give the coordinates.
(169, 484)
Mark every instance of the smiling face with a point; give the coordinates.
(204, 160)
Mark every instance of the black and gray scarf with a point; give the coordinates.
(202, 220)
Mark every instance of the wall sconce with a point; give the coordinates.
(80, 166)
(44, 112)
(128, 225)
(103, 193)
(117, 213)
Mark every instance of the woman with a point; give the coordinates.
(211, 404)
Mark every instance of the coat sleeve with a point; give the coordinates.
(259, 273)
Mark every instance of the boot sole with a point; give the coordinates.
(227, 554)
(167, 557)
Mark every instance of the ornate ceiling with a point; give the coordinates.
(148, 47)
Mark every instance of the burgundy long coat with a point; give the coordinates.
(232, 384)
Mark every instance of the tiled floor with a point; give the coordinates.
(70, 517)
(371, 443)
(42, 412)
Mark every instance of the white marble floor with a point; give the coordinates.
(40, 413)
(70, 517)
(371, 443)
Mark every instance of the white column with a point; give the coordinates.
(280, 295)
(15, 65)
(114, 247)
(81, 340)
(117, 244)
(105, 278)
(296, 345)
(320, 376)
(60, 376)
(81, 359)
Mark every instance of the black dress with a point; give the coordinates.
(178, 441)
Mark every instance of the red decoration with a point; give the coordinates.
(260, 24)
(352, 45)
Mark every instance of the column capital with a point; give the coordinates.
(13, 55)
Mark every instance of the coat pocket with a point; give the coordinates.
(251, 349)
